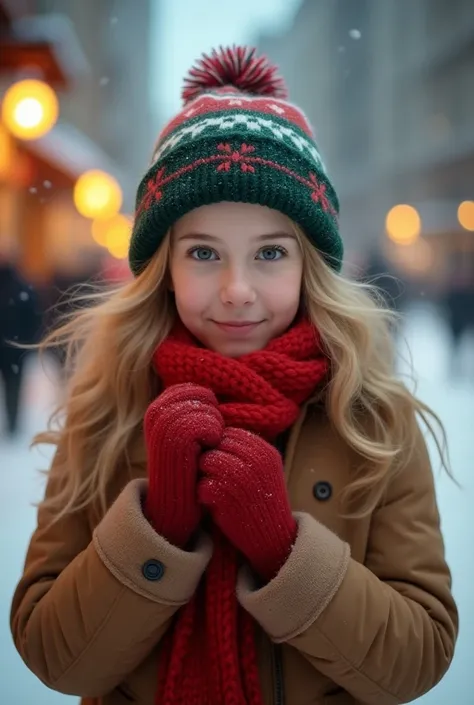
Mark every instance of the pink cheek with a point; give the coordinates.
(280, 296)
(191, 299)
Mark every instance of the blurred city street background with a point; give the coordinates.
(389, 89)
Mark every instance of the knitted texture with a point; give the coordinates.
(261, 391)
(178, 425)
(244, 489)
(210, 655)
(236, 139)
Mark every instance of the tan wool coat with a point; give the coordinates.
(360, 614)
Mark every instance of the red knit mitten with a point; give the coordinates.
(244, 489)
(178, 425)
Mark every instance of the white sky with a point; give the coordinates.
(184, 29)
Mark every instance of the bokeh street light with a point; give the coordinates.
(403, 224)
(30, 109)
(6, 153)
(466, 215)
(113, 234)
(97, 195)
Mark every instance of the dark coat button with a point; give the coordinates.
(322, 491)
(153, 569)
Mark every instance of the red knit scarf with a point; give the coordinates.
(210, 657)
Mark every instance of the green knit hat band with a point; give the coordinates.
(231, 146)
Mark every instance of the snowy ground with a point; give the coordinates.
(452, 398)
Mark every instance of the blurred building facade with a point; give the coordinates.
(99, 64)
(110, 102)
(388, 89)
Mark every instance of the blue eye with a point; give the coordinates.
(202, 254)
(272, 253)
(266, 254)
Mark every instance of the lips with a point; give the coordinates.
(237, 327)
(237, 324)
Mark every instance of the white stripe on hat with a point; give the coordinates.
(255, 124)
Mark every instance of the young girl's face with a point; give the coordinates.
(236, 272)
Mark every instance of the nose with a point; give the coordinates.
(237, 288)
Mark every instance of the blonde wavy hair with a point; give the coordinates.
(110, 343)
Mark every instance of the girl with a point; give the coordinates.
(241, 507)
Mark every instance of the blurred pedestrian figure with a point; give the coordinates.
(380, 273)
(459, 301)
(60, 298)
(19, 325)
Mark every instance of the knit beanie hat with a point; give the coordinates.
(237, 139)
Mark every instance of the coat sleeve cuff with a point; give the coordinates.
(294, 599)
(125, 541)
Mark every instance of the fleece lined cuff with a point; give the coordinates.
(294, 599)
(125, 541)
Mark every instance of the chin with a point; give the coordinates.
(237, 348)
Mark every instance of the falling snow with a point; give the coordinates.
(15, 369)
(47, 184)
(104, 81)
(33, 189)
(24, 296)
(355, 34)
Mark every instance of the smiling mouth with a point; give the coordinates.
(237, 324)
(237, 327)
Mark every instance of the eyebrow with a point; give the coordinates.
(205, 237)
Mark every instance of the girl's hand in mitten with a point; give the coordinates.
(178, 425)
(243, 487)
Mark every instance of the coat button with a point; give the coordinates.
(322, 491)
(153, 569)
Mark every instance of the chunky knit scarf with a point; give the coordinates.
(209, 657)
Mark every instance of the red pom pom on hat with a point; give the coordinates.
(237, 67)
